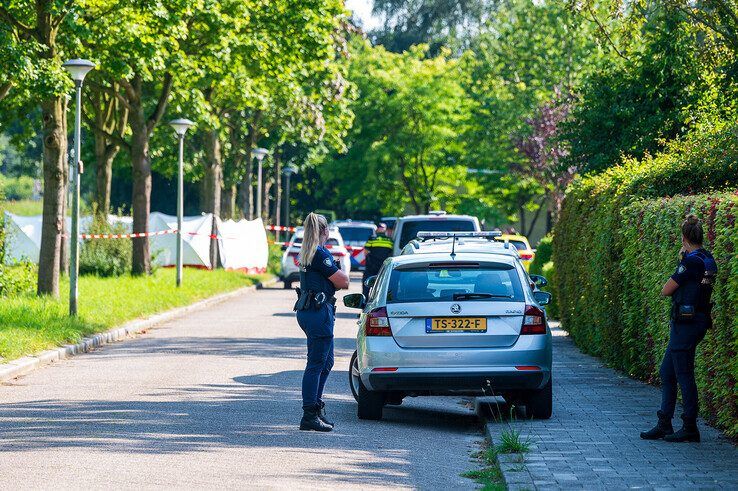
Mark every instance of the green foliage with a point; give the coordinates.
(544, 249)
(613, 252)
(633, 106)
(105, 257)
(17, 188)
(30, 324)
(24, 207)
(405, 144)
(15, 279)
(490, 475)
(544, 266)
(274, 262)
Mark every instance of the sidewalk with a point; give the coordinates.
(592, 440)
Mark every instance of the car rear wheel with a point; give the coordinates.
(370, 402)
(354, 379)
(539, 404)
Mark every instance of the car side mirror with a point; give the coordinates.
(354, 300)
(543, 298)
(369, 282)
(538, 280)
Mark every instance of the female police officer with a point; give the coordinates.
(320, 277)
(690, 288)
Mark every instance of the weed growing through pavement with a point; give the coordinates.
(490, 475)
(511, 442)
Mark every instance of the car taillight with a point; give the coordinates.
(338, 254)
(526, 256)
(293, 255)
(377, 323)
(534, 321)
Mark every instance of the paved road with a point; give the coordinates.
(212, 400)
(592, 441)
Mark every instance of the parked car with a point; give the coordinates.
(452, 320)
(290, 270)
(407, 227)
(355, 234)
(520, 242)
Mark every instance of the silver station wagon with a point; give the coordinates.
(455, 314)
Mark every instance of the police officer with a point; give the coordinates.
(690, 288)
(320, 277)
(377, 249)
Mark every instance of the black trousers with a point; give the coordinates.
(677, 368)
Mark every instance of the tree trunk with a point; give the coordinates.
(65, 243)
(141, 192)
(54, 161)
(213, 183)
(247, 187)
(104, 156)
(278, 200)
(228, 202)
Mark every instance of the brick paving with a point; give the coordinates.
(592, 440)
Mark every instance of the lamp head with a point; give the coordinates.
(78, 68)
(259, 153)
(289, 170)
(181, 125)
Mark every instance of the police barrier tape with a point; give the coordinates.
(279, 228)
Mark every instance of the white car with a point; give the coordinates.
(290, 268)
(407, 227)
(453, 317)
(355, 235)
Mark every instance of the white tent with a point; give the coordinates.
(196, 232)
(243, 245)
(23, 238)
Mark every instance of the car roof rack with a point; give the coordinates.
(423, 236)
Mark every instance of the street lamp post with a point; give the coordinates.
(77, 69)
(259, 153)
(180, 127)
(288, 171)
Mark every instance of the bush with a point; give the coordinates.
(105, 257)
(616, 242)
(274, 263)
(17, 188)
(15, 279)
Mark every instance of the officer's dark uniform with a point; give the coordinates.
(377, 250)
(316, 315)
(690, 319)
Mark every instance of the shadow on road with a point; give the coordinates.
(255, 411)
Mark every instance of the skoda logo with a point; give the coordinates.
(455, 308)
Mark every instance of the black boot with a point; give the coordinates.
(321, 414)
(688, 433)
(662, 429)
(311, 421)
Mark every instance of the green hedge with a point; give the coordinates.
(615, 245)
(543, 265)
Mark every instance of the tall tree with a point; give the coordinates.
(38, 25)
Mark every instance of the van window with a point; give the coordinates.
(410, 229)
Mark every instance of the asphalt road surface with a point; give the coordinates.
(213, 400)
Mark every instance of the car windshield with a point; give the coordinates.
(355, 234)
(410, 229)
(476, 283)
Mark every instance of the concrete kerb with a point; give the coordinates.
(27, 364)
(512, 466)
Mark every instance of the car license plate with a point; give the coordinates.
(455, 324)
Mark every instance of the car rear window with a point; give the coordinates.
(410, 229)
(355, 234)
(442, 283)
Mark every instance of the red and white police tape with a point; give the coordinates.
(279, 228)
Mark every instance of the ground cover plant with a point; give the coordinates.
(29, 324)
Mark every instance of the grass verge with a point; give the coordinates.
(23, 207)
(29, 324)
(490, 475)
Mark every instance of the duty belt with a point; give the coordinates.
(310, 300)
